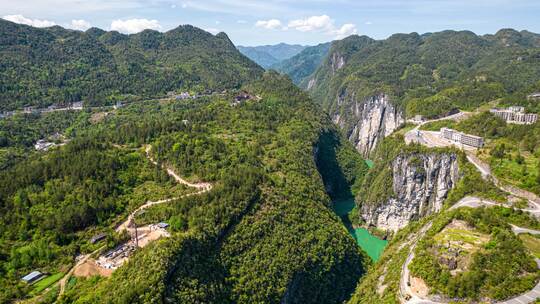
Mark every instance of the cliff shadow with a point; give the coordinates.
(326, 159)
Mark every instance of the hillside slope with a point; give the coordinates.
(304, 63)
(431, 75)
(265, 233)
(41, 66)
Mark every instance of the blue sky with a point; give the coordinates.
(256, 22)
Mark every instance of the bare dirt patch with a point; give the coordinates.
(90, 268)
(419, 287)
(456, 243)
(98, 117)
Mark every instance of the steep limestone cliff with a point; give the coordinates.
(420, 183)
(368, 121)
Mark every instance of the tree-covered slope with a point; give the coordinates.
(55, 65)
(269, 55)
(265, 233)
(304, 63)
(444, 70)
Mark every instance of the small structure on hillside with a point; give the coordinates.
(33, 277)
(97, 238)
(43, 145)
(30, 110)
(78, 105)
(119, 104)
(534, 96)
(515, 115)
(418, 119)
(241, 97)
(162, 225)
(462, 138)
(183, 95)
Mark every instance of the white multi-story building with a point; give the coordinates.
(515, 115)
(462, 138)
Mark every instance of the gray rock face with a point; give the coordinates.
(421, 183)
(336, 62)
(367, 122)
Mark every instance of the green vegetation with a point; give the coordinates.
(46, 282)
(42, 66)
(267, 223)
(304, 63)
(381, 283)
(532, 243)
(513, 151)
(412, 70)
(491, 261)
(53, 204)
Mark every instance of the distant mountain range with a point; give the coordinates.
(41, 66)
(269, 55)
(304, 63)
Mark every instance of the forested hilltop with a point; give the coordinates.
(444, 70)
(42, 66)
(266, 231)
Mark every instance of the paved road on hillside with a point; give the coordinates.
(432, 139)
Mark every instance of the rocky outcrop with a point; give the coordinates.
(368, 121)
(337, 61)
(421, 183)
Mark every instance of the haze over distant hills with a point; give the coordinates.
(268, 55)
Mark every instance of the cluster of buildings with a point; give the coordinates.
(515, 115)
(44, 145)
(181, 96)
(116, 257)
(78, 105)
(462, 138)
(241, 97)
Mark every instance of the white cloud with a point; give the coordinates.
(345, 31)
(212, 30)
(132, 26)
(271, 24)
(313, 23)
(173, 5)
(33, 22)
(369, 23)
(323, 24)
(81, 25)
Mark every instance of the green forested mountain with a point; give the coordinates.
(304, 63)
(428, 74)
(55, 65)
(269, 55)
(249, 180)
(266, 232)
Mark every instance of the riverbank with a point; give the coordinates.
(372, 245)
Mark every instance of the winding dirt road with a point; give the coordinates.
(203, 187)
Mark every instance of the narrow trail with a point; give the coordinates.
(430, 139)
(202, 187)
